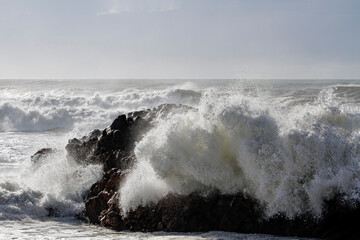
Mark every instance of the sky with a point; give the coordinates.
(185, 39)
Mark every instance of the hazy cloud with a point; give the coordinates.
(111, 12)
(142, 6)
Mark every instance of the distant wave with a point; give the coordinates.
(61, 110)
(14, 118)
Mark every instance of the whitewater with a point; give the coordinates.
(291, 144)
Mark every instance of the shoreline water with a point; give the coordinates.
(75, 229)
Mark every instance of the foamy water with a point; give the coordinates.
(290, 144)
(69, 229)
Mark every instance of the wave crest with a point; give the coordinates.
(85, 112)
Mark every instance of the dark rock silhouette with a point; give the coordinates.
(42, 153)
(114, 146)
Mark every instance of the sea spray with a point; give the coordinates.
(52, 185)
(290, 158)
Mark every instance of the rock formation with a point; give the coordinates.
(42, 153)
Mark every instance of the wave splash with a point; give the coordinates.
(290, 158)
(53, 185)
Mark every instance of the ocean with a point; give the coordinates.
(291, 144)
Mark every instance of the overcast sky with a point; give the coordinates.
(236, 39)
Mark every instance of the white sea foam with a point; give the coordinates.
(149, 188)
(290, 158)
(53, 182)
(60, 109)
(71, 229)
(29, 189)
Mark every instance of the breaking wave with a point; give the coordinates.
(66, 110)
(291, 157)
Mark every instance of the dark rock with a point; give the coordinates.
(111, 217)
(94, 206)
(120, 123)
(100, 194)
(196, 212)
(238, 213)
(53, 212)
(42, 153)
(81, 150)
(113, 147)
(340, 220)
(109, 183)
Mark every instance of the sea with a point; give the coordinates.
(291, 144)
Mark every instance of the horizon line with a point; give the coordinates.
(239, 79)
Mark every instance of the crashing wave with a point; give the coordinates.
(289, 159)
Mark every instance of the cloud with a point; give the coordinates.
(111, 12)
(139, 6)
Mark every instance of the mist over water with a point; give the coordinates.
(290, 144)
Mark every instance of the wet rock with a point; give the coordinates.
(94, 206)
(81, 150)
(111, 217)
(113, 147)
(53, 212)
(236, 213)
(41, 154)
(100, 194)
(340, 220)
(107, 147)
(196, 212)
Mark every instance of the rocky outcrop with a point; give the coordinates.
(197, 212)
(41, 154)
(97, 204)
(113, 147)
(81, 150)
